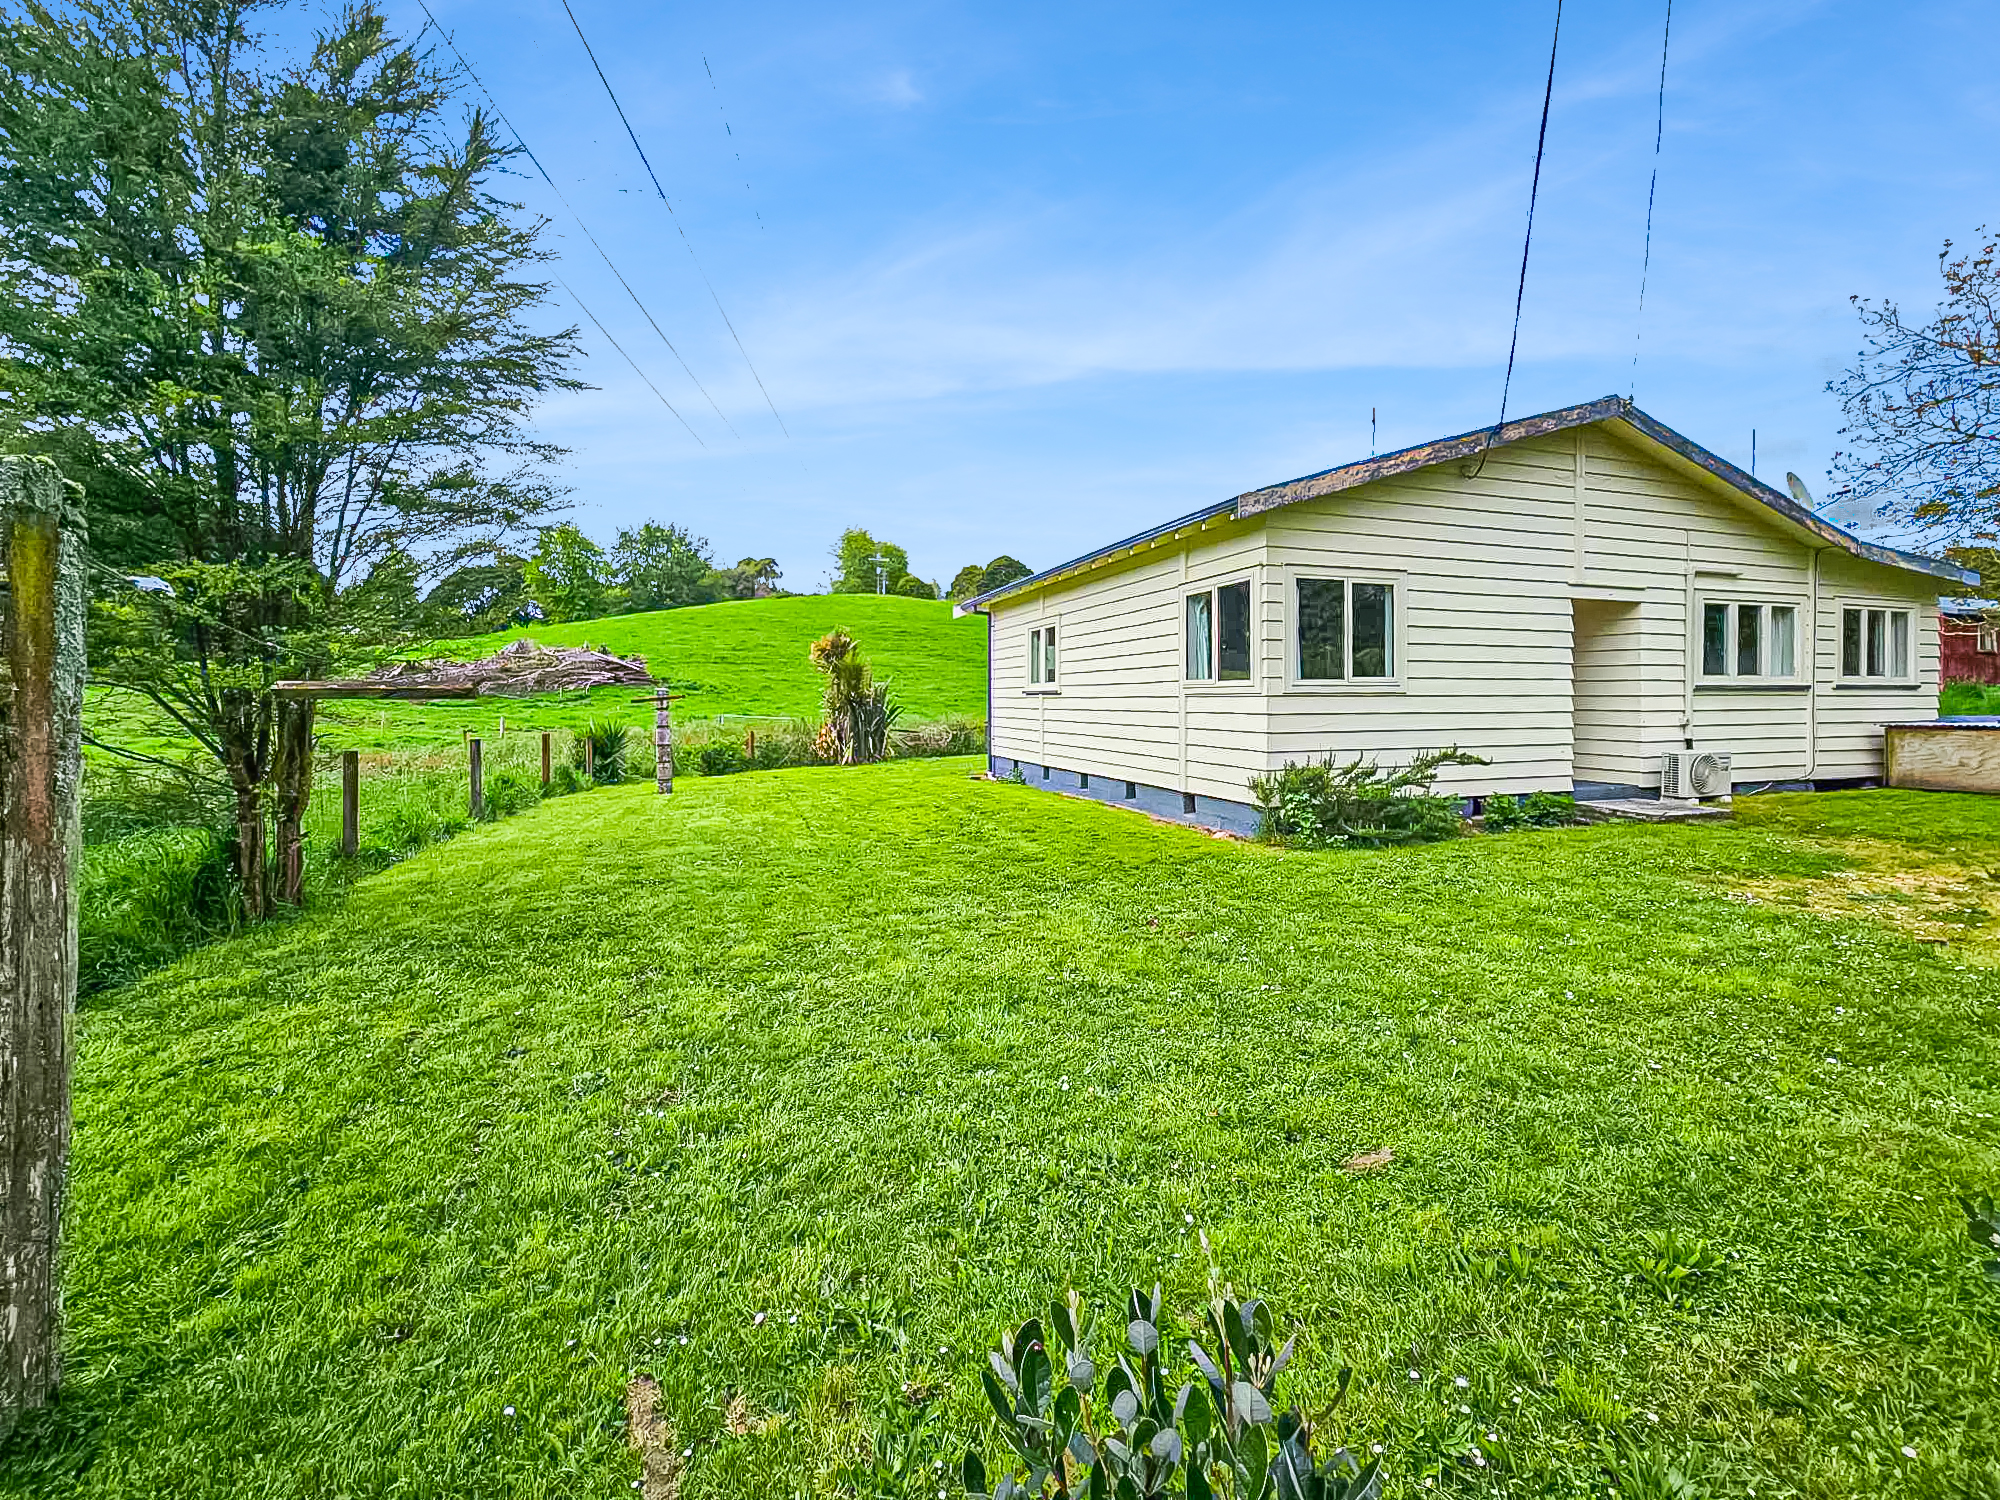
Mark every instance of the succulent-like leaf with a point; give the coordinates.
(1098, 1485)
(1143, 1337)
(1127, 1490)
(1081, 1450)
(1192, 1413)
(975, 1475)
(1166, 1446)
(1009, 1489)
(1250, 1403)
(1037, 1379)
(1284, 1355)
(1062, 1324)
(1004, 1368)
(1204, 1364)
(1068, 1413)
(996, 1393)
(1197, 1484)
(1257, 1321)
(1125, 1407)
(1120, 1379)
(1232, 1329)
(1366, 1485)
(1082, 1371)
(1030, 1334)
(1254, 1456)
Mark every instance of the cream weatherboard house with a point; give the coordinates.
(1569, 598)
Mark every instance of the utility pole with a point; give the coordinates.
(881, 573)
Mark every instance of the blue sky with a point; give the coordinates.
(1027, 278)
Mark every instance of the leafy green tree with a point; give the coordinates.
(477, 597)
(387, 601)
(568, 576)
(966, 582)
(912, 587)
(855, 554)
(662, 567)
(1922, 407)
(267, 312)
(1002, 571)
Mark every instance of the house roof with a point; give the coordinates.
(1469, 445)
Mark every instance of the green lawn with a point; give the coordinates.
(792, 1090)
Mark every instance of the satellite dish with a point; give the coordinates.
(1799, 491)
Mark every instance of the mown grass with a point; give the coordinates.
(1969, 698)
(792, 1090)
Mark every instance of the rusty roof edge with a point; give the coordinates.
(1790, 509)
(1607, 408)
(1425, 455)
(1467, 445)
(1049, 575)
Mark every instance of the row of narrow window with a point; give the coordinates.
(1347, 630)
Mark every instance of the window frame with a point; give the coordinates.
(1213, 586)
(1399, 615)
(1912, 673)
(1734, 601)
(1038, 685)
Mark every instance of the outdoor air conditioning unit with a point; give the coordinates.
(1686, 775)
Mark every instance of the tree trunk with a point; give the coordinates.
(292, 791)
(250, 845)
(41, 708)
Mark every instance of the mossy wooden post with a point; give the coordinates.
(350, 803)
(545, 759)
(589, 757)
(41, 769)
(478, 781)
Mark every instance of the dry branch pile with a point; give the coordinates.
(515, 671)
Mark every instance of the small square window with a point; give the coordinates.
(1217, 627)
(1042, 656)
(1876, 643)
(1345, 630)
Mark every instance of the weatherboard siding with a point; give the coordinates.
(1547, 608)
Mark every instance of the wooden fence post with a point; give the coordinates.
(41, 766)
(589, 758)
(545, 759)
(350, 803)
(663, 746)
(478, 781)
(750, 747)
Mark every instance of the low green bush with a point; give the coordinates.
(563, 779)
(1549, 809)
(1503, 813)
(145, 899)
(609, 746)
(510, 792)
(722, 758)
(1123, 1422)
(1315, 803)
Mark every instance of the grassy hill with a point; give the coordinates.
(791, 1091)
(745, 657)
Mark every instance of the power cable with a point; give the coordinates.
(1534, 190)
(629, 360)
(521, 141)
(1646, 265)
(685, 241)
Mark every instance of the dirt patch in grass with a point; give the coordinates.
(650, 1436)
(1925, 896)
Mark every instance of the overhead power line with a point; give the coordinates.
(689, 244)
(717, 90)
(629, 360)
(526, 151)
(1659, 133)
(1527, 242)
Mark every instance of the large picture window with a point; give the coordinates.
(1742, 639)
(1346, 630)
(1875, 643)
(1218, 634)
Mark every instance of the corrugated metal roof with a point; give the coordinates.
(1469, 446)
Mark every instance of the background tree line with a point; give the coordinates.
(865, 565)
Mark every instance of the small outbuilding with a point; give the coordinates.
(1571, 598)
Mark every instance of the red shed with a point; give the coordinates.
(1968, 644)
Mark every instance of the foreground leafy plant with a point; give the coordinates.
(1133, 1435)
(1313, 803)
(1669, 1262)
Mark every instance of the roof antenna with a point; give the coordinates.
(1371, 432)
(1753, 453)
(1528, 240)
